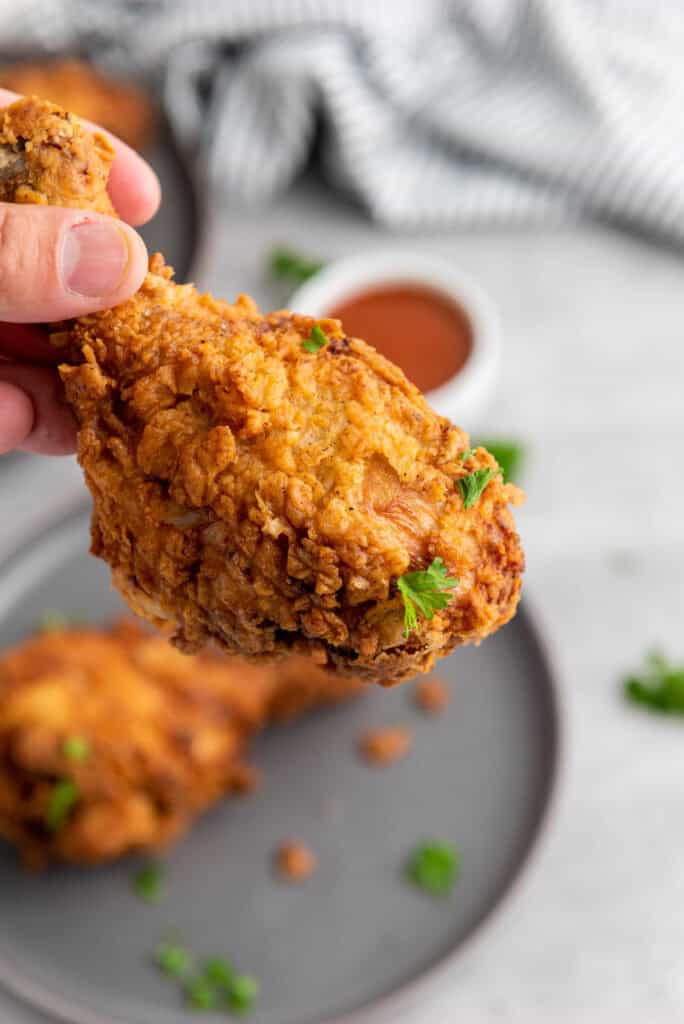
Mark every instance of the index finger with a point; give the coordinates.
(133, 186)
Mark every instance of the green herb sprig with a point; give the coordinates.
(62, 799)
(76, 748)
(434, 867)
(660, 687)
(200, 994)
(216, 985)
(243, 994)
(316, 340)
(172, 958)
(149, 883)
(472, 485)
(286, 264)
(509, 454)
(425, 591)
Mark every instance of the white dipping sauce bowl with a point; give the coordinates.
(463, 397)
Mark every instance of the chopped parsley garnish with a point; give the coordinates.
(288, 265)
(509, 455)
(434, 867)
(472, 485)
(660, 687)
(316, 340)
(172, 958)
(425, 591)
(201, 994)
(219, 972)
(148, 883)
(464, 456)
(64, 796)
(215, 986)
(76, 748)
(243, 994)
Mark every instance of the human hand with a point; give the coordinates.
(56, 264)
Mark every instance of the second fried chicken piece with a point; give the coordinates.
(120, 107)
(250, 490)
(146, 736)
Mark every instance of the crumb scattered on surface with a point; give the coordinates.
(382, 746)
(294, 861)
(432, 696)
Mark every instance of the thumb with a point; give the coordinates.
(60, 263)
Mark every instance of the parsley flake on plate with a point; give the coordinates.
(63, 797)
(216, 985)
(244, 992)
(434, 867)
(219, 972)
(148, 883)
(472, 485)
(200, 994)
(316, 340)
(172, 958)
(76, 748)
(660, 687)
(425, 591)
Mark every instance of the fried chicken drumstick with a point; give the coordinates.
(112, 741)
(251, 490)
(120, 107)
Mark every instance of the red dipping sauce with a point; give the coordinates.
(428, 335)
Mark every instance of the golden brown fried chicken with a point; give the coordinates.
(255, 492)
(148, 737)
(120, 107)
(43, 159)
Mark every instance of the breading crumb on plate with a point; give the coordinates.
(432, 696)
(294, 861)
(382, 746)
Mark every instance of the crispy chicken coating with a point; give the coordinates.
(251, 491)
(159, 736)
(43, 159)
(120, 107)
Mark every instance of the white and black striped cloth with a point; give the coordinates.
(435, 113)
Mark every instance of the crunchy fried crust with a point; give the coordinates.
(167, 735)
(46, 158)
(120, 107)
(249, 491)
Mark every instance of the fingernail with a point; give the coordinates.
(94, 259)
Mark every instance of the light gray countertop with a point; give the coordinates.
(592, 379)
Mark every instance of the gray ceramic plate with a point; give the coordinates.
(174, 229)
(77, 943)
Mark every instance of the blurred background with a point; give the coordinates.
(534, 147)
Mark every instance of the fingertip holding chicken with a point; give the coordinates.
(268, 497)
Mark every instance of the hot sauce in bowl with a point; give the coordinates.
(418, 328)
(420, 312)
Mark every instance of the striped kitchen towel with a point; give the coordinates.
(434, 112)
